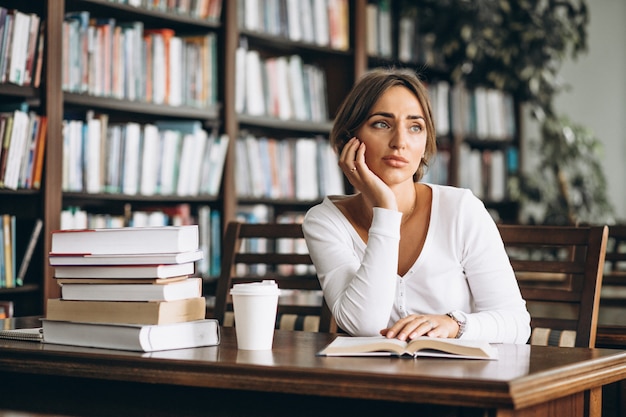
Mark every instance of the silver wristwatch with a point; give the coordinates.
(460, 319)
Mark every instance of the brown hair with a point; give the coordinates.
(356, 107)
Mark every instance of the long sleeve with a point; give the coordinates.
(359, 281)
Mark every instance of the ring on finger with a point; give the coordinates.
(353, 169)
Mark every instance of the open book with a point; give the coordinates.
(421, 346)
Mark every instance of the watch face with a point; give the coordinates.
(458, 316)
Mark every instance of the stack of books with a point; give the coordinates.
(129, 288)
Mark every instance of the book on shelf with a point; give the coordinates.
(143, 338)
(128, 259)
(126, 240)
(124, 271)
(128, 312)
(169, 291)
(8, 248)
(28, 253)
(420, 346)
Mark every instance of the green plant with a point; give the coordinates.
(519, 46)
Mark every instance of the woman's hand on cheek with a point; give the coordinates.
(373, 188)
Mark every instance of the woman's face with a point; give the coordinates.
(394, 135)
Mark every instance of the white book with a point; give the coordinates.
(333, 176)
(240, 80)
(217, 160)
(296, 87)
(159, 69)
(251, 14)
(307, 187)
(285, 107)
(294, 24)
(384, 29)
(132, 259)
(125, 240)
(242, 176)
(201, 140)
(15, 154)
(177, 290)
(21, 28)
(143, 338)
(320, 21)
(255, 96)
(92, 159)
(497, 176)
(168, 176)
(150, 157)
(255, 167)
(124, 271)
(131, 162)
(114, 152)
(306, 20)
(175, 93)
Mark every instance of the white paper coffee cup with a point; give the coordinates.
(255, 305)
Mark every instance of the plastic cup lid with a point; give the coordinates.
(265, 287)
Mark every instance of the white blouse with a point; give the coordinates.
(463, 266)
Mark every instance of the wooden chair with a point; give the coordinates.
(612, 316)
(559, 271)
(281, 255)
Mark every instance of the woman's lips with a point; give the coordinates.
(395, 161)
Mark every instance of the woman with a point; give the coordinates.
(402, 258)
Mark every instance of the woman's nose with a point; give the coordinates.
(398, 139)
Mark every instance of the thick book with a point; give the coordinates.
(421, 346)
(130, 259)
(147, 338)
(126, 240)
(179, 290)
(128, 312)
(124, 271)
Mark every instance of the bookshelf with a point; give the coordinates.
(478, 129)
(341, 64)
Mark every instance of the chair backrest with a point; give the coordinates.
(612, 316)
(254, 252)
(559, 271)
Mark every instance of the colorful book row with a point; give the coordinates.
(21, 47)
(198, 9)
(122, 60)
(302, 169)
(163, 158)
(318, 22)
(284, 87)
(23, 138)
(16, 239)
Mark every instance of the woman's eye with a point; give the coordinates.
(380, 124)
(416, 128)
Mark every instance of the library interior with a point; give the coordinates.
(156, 153)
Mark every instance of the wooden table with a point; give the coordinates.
(291, 380)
